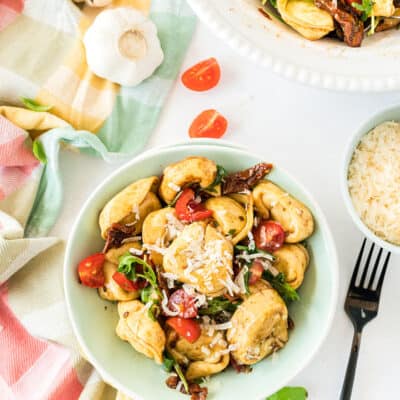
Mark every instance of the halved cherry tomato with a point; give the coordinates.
(210, 124)
(189, 329)
(188, 210)
(184, 302)
(256, 271)
(125, 283)
(203, 76)
(90, 270)
(269, 235)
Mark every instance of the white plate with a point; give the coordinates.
(326, 63)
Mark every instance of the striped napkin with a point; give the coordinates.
(41, 57)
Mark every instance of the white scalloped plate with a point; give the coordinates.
(326, 63)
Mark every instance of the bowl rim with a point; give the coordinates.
(372, 122)
(289, 69)
(322, 221)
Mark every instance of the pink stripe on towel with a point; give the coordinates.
(31, 368)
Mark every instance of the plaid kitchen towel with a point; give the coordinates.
(41, 57)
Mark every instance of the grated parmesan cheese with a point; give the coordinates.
(135, 252)
(374, 181)
(131, 239)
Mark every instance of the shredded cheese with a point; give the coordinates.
(131, 239)
(136, 252)
(374, 181)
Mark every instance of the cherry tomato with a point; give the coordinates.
(125, 283)
(203, 76)
(256, 271)
(90, 270)
(187, 210)
(269, 235)
(185, 303)
(210, 124)
(189, 329)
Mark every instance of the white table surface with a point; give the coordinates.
(303, 130)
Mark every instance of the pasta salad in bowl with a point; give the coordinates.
(204, 269)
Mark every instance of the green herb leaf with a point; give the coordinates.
(240, 249)
(145, 294)
(217, 305)
(232, 232)
(168, 362)
(273, 3)
(290, 393)
(127, 263)
(34, 105)
(38, 151)
(246, 280)
(219, 178)
(279, 283)
(365, 7)
(181, 376)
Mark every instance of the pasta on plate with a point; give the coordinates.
(203, 264)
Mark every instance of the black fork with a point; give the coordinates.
(361, 306)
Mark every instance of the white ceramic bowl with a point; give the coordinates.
(94, 319)
(391, 113)
(326, 63)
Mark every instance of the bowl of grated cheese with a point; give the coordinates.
(94, 319)
(371, 178)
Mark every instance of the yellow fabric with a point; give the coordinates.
(77, 95)
(32, 121)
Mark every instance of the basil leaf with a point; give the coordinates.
(279, 283)
(290, 393)
(38, 151)
(34, 105)
(219, 178)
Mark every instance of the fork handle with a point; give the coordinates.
(351, 367)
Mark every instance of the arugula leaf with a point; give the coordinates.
(127, 263)
(279, 283)
(290, 393)
(168, 362)
(232, 232)
(181, 376)
(246, 280)
(38, 151)
(145, 294)
(365, 7)
(34, 105)
(219, 178)
(217, 305)
(240, 248)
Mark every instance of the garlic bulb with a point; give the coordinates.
(122, 46)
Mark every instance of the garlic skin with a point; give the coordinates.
(122, 46)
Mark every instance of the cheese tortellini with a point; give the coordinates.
(292, 260)
(208, 355)
(111, 290)
(201, 256)
(190, 171)
(131, 205)
(143, 334)
(295, 218)
(259, 325)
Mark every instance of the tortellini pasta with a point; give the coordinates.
(111, 290)
(191, 170)
(201, 256)
(143, 334)
(234, 215)
(208, 355)
(159, 229)
(292, 260)
(259, 325)
(306, 18)
(295, 218)
(131, 205)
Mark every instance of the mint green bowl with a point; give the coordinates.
(94, 319)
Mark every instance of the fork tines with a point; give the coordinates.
(367, 257)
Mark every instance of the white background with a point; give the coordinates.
(305, 131)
